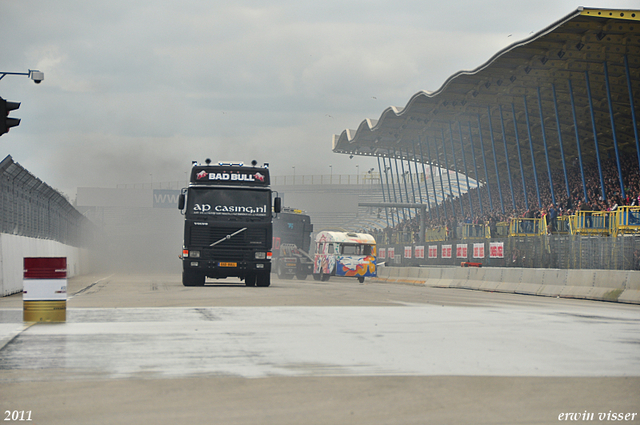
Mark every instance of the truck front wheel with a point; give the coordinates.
(192, 278)
(250, 280)
(264, 279)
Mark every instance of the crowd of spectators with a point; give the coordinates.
(466, 209)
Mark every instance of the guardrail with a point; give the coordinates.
(601, 285)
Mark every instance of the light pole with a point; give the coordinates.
(357, 174)
(34, 74)
(294, 174)
(7, 122)
(331, 175)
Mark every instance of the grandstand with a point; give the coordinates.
(560, 101)
(547, 126)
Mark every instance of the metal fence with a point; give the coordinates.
(547, 251)
(30, 207)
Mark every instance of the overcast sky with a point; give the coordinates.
(135, 90)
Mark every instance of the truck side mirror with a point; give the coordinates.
(181, 200)
(277, 204)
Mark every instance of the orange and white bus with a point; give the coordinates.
(344, 254)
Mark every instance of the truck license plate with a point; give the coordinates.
(228, 264)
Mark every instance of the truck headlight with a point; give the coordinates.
(194, 254)
(261, 255)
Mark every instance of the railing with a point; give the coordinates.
(318, 179)
(473, 231)
(520, 227)
(625, 221)
(322, 179)
(436, 234)
(591, 223)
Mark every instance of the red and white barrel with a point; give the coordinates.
(44, 294)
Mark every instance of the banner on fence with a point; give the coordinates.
(433, 251)
(382, 253)
(446, 251)
(420, 251)
(407, 251)
(496, 250)
(478, 250)
(461, 250)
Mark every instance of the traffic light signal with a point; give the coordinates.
(5, 121)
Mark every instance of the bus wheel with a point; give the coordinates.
(361, 279)
(192, 278)
(316, 276)
(325, 277)
(250, 280)
(301, 276)
(264, 279)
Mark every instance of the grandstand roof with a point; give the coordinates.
(542, 79)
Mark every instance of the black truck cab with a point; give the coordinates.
(228, 232)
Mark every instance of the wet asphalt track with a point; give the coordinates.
(131, 328)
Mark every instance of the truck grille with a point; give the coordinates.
(250, 238)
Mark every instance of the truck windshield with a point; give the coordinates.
(229, 203)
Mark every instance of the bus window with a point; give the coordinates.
(350, 249)
(355, 249)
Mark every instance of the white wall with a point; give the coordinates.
(13, 249)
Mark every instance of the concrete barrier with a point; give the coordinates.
(601, 285)
(13, 250)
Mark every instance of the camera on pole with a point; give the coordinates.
(7, 122)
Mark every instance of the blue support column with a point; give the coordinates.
(384, 164)
(433, 180)
(418, 178)
(446, 164)
(633, 108)
(466, 172)
(506, 156)
(384, 198)
(564, 165)
(443, 195)
(404, 179)
(533, 158)
(484, 160)
(413, 189)
(575, 126)
(395, 159)
(595, 134)
(475, 167)
(515, 130)
(546, 151)
(455, 168)
(393, 186)
(613, 128)
(495, 158)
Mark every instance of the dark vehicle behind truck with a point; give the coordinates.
(293, 226)
(291, 242)
(228, 223)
